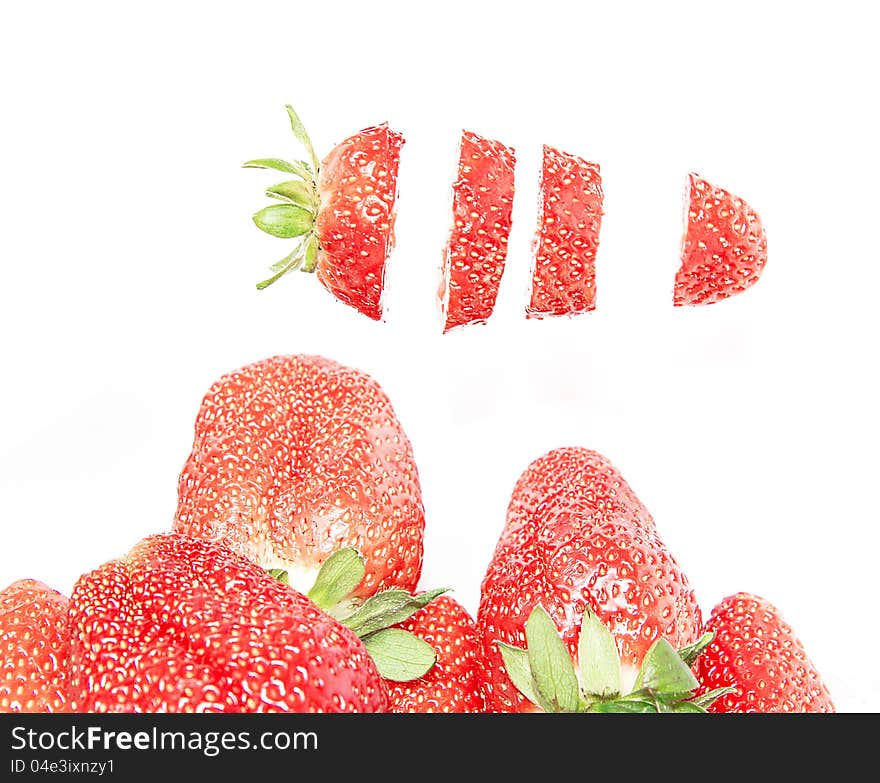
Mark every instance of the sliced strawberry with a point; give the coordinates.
(564, 268)
(576, 537)
(357, 185)
(341, 211)
(34, 648)
(455, 684)
(756, 653)
(724, 249)
(295, 457)
(183, 625)
(477, 248)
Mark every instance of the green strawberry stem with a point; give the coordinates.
(295, 215)
(398, 654)
(545, 674)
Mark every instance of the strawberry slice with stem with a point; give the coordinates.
(341, 211)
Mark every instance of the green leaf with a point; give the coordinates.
(664, 672)
(280, 574)
(624, 705)
(311, 261)
(300, 134)
(387, 608)
(282, 267)
(399, 655)
(298, 167)
(341, 573)
(294, 191)
(688, 706)
(516, 661)
(706, 699)
(284, 220)
(551, 664)
(598, 660)
(690, 653)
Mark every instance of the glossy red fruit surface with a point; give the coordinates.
(756, 652)
(724, 249)
(564, 266)
(295, 457)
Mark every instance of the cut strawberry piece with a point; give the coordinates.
(296, 457)
(34, 648)
(477, 248)
(577, 537)
(455, 684)
(357, 185)
(340, 211)
(756, 653)
(564, 269)
(724, 249)
(182, 625)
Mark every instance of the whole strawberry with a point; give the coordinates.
(724, 249)
(183, 625)
(756, 654)
(33, 648)
(577, 538)
(296, 457)
(341, 211)
(455, 683)
(475, 254)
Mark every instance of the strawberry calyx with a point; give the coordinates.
(399, 655)
(295, 216)
(545, 674)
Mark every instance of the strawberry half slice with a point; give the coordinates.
(564, 264)
(724, 249)
(341, 211)
(34, 648)
(482, 204)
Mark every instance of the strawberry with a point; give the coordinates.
(295, 457)
(577, 537)
(756, 653)
(474, 257)
(342, 211)
(183, 625)
(564, 267)
(34, 646)
(455, 684)
(724, 249)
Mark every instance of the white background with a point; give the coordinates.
(748, 428)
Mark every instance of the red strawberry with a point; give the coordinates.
(455, 684)
(577, 537)
(295, 457)
(183, 625)
(757, 654)
(477, 248)
(724, 249)
(564, 270)
(34, 648)
(342, 210)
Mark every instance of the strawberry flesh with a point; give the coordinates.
(183, 625)
(455, 683)
(477, 248)
(357, 184)
(724, 249)
(295, 457)
(577, 535)
(564, 270)
(34, 646)
(756, 652)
